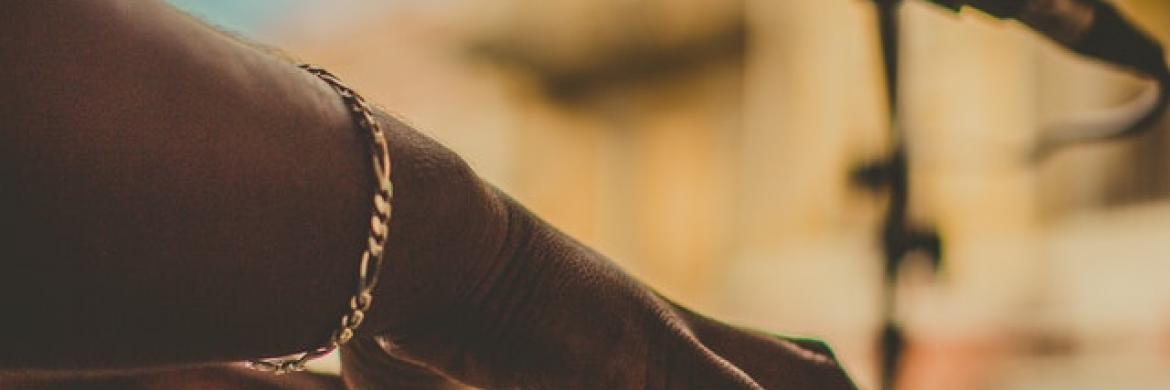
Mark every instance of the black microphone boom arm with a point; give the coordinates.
(1094, 29)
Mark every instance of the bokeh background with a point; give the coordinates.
(707, 147)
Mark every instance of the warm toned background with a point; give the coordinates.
(705, 146)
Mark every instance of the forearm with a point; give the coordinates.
(173, 196)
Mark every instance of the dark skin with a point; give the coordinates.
(175, 198)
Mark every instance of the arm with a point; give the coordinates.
(181, 198)
(172, 196)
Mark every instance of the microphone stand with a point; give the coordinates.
(1110, 38)
(898, 237)
(892, 340)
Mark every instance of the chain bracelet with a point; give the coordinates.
(371, 260)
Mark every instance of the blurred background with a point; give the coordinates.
(707, 146)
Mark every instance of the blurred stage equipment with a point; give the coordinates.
(1092, 28)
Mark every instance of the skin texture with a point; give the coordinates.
(176, 199)
(220, 377)
(551, 313)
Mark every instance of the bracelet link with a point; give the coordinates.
(370, 266)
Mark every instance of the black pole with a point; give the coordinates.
(898, 236)
(891, 174)
(892, 340)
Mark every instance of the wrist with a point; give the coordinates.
(446, 222)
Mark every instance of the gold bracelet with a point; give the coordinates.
(371, 263)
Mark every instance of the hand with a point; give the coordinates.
(483, 292)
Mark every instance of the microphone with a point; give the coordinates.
(1093, 28)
